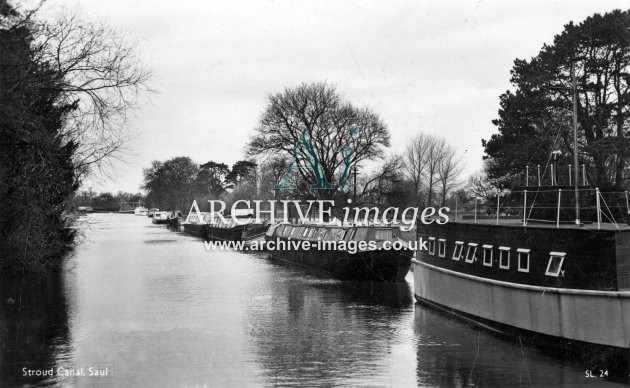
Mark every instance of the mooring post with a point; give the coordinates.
(569, 175)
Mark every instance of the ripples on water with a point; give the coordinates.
(157, 309)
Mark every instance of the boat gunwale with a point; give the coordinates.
(571, 291)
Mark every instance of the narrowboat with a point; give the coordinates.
(196, 222)
(243, 229)
(152, 211)
(175, 218)
(336, 250)
(161, 217)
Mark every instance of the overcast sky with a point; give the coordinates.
(431, 66)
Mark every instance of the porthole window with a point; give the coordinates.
(556, 259)
(471, 252)
(432, 246)
(504, 257)
(457, 252)
(523, 259)
(487, 255)
(442, 247)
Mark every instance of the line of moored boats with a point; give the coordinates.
(339, 253)
(558, 280)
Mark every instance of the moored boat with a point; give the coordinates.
(561, 278)
(175, 218)
(161, 217)
(571, 282)
(545, 272)
(347, 252)
(152, 211)
(244, 228)
(140, 211)
(196, 222)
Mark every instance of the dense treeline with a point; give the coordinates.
(104, 202)
(36, 162)
(536, 117)
(175, 183)
(65, 87)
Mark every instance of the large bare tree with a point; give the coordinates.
(97, 71)
(313, 126)
(430, 164)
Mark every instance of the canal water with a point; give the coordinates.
(142, 305)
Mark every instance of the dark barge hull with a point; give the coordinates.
(175, 222)
(589, 301)
(225, 234)
(379, 265)
(197, 230)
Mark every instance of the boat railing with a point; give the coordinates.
(554, 174)
(547, 205)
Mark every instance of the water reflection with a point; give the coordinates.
(308, 329)
(452, 352)
(33, 326)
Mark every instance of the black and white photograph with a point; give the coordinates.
(302, 193)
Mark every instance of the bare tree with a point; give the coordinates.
(480, 186)
(423, 158)
(415, 163)
(434, 155)
(101, 74)
(312, 125)
(449, 170)
(381, 183)
(431, 165)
